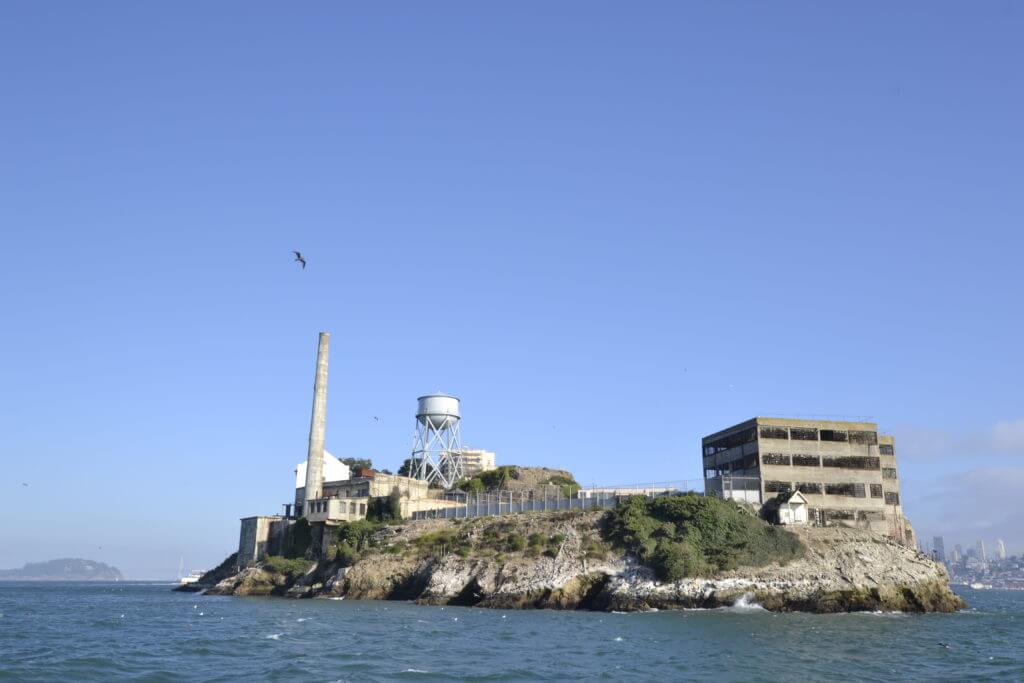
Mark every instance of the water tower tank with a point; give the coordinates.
(437, 410)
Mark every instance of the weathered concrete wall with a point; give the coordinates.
(261, 536)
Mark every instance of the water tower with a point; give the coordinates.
(437, 448)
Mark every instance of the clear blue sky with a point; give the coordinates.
(609, 228)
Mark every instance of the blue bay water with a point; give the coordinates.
(119, 631)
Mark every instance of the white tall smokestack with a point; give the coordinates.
(318, 424)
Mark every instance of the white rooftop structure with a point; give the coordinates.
(334, 470)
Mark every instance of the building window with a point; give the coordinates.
(806, 460)
(776, 486)
(803, 434)
(886, 449)
(833, 435)
(774, 459)
(888, 473)
(892, 498)
(352, 508)
(876, 490)
(362, 508)
(864, 438)
(853, 462)
(808, 487)
(774, 433)
(851, 490)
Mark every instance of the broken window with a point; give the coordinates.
(868, 438)
(776, 486)
(858, 491)
(808, 487)
(876, 490)
(844, 490)
(806, 460)
(839, 514)
(731, 441)
(833, 435)
(774, 433)
(888, 472)
(853, 462)
(774, 459)
(803, 433)
(892, 498)
(886, 449)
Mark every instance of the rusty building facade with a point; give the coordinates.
(846, 470)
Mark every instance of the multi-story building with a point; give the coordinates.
(475, 461)
(1000, 549)
(846, 470)
(979, 549)
(939, 548)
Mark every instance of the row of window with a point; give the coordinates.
(849, 490)
(813, 434)
(321, 506)
(796, 434)
(850, 462)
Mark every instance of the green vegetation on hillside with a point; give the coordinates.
(351, 541)
(292, 567)
(692, 535)
(499, 478)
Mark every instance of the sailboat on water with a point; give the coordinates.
(191, 577)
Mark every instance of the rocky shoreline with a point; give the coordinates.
(573, 568)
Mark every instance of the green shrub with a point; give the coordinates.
(293, 567)
(692, 535)
(515, 542)
(566, 485)
(536, 540)
(556, 540)
(442, 542)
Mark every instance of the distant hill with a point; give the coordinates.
(65, 569)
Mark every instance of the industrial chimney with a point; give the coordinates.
(317, 425)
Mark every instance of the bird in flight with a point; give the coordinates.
(376, 419)
(298, 257)
(24, 484)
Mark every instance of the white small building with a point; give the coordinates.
(789, 508)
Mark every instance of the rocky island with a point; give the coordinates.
(64, 569)
(674, 552)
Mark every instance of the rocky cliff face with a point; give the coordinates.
(559, 560)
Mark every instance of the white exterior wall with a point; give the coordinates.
(334, 470)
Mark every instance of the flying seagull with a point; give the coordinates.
(376, 419)
(24, 484)
(298, 257)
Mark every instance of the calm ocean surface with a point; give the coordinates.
(101, 632)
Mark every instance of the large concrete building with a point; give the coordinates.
(846, 470)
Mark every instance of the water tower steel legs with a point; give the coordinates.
(437, 454)
(318, 424)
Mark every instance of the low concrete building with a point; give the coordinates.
(846, 471)
(261, 536)
(475, 461)
(350, 499)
